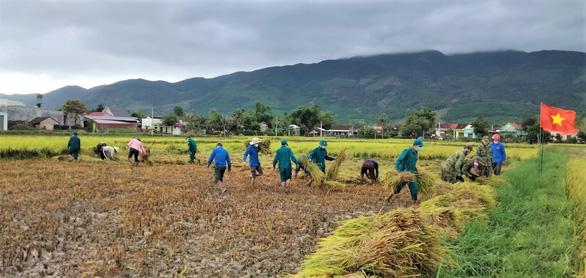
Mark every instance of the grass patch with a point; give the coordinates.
(575, 181)
(530, 231)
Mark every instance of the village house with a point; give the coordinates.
(46, 123)
(16, 113)
(342, 131)
(110, 119)
(513, 129)
(3, 121)
(450, 130)
(157, 125)
(293, 130)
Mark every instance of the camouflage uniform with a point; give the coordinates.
(456, 165)
(484, 159)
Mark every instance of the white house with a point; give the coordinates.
(156, 124)
(469, 132)
(514, 129)
(3, 121)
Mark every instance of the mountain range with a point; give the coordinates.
(498, 85)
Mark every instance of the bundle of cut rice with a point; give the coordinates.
(336, 165)
(425, 181)
(264, 146)
(394, 244)
(316, 174)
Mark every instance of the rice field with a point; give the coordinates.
(172, 148)
(105, 218)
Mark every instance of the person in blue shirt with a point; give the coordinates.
(252, 150)
(498, 153)
(222, 159)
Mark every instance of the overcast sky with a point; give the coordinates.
(45, 45)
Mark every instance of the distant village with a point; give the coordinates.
(15, 115)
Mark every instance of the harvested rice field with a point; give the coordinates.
(90, 218)
(93, 218)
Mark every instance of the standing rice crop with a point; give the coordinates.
(575, 182)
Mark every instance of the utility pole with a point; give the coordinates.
(321, 128)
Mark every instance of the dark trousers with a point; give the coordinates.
(132, 152)
(413, 189)
(497, 167)
(191, 156)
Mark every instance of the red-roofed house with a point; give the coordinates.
(111, 119)
(454, 130)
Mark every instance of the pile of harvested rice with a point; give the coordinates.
(394, 244)
(449, 211)
(332, 173)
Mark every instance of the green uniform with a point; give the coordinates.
(484, 158)
(74, 146)
(407, 161)
(192, 149)
(283, 157)
(319, 156)
(455, 166)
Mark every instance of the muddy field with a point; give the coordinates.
(91, 218)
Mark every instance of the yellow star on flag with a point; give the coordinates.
(557, 119)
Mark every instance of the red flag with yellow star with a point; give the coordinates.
(554, 119)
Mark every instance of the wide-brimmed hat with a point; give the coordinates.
(254, 141)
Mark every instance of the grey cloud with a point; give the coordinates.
(186, 39)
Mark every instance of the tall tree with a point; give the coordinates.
(383, 121)
(72, 107)
(178, 111)
(307, 118)
(170, 120)
(216, 121)
(480, 126)
(263, 113)
(99, 108)
(419, 122)
(327, 119)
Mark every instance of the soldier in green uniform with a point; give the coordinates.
(283, 157)
(484, 158)
(407, 161)
(456, 165)
(319, 155)
(74, 146)
(192, 149)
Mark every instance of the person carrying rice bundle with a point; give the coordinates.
(320, 154)
(252, 150)
(457, 165)
(407, 162)
(283, 158)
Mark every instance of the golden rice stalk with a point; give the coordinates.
(394, 244)
(316, 174)
(393, 180)
(425, 181)
(332, 173)
(264, 146)
(334, 184)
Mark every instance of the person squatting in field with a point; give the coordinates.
(283, 158)
(74, 146)
(457, 165)
(320, 154)
(135, 148)
(222, 161)
(252, 150)
(370, 169)
(192, 148)
(407, 162)
(498, 153)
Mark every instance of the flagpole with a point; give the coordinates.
(540, 142)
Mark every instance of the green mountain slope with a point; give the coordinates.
(497, 85)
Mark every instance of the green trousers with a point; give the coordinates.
(191, 157)
(413, 189)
